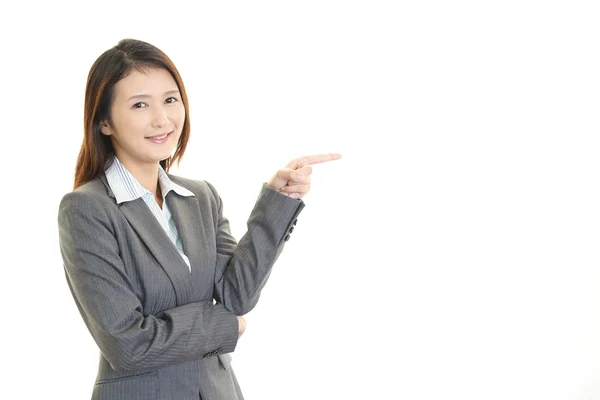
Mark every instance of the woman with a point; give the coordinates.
(154, 270)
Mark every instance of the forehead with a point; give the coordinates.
(148, 81)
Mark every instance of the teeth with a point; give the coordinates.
(158, 137)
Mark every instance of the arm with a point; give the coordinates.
(127, 337)
(243, 269)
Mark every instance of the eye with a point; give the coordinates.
(140, 105)
(172, 100)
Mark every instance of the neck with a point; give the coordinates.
(146, 175)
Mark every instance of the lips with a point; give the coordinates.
(161, 138)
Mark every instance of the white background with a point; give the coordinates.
(453, 253)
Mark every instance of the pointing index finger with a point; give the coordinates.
(320, 158)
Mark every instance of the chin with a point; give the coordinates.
(162, 158)
(163, 155)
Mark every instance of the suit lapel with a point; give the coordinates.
(188, 219)
(160, 245)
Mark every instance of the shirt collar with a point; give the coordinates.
(126, 188)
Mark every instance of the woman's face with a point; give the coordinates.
(147, 118)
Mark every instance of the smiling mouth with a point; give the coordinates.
(159, 138)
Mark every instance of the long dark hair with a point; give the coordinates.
(112, 66)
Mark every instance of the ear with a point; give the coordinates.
(105, 128)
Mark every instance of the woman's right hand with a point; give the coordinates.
(241, 326)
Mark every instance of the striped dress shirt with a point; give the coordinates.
(127, 188)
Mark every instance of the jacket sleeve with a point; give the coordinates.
(243, 268)
(128, 338)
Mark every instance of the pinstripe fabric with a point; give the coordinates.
(164, 332)
(127, 188)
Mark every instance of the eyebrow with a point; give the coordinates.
(147, 95)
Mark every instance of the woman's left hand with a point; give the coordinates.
(294, 179)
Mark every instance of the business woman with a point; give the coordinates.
(157, 276)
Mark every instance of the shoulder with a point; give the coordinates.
(90, 197)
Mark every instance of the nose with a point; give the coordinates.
(159, 117)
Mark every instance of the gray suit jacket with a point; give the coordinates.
(160, 334)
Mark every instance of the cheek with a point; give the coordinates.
(182, 114)
(132, 123)
(139, 122)
(179, 118)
